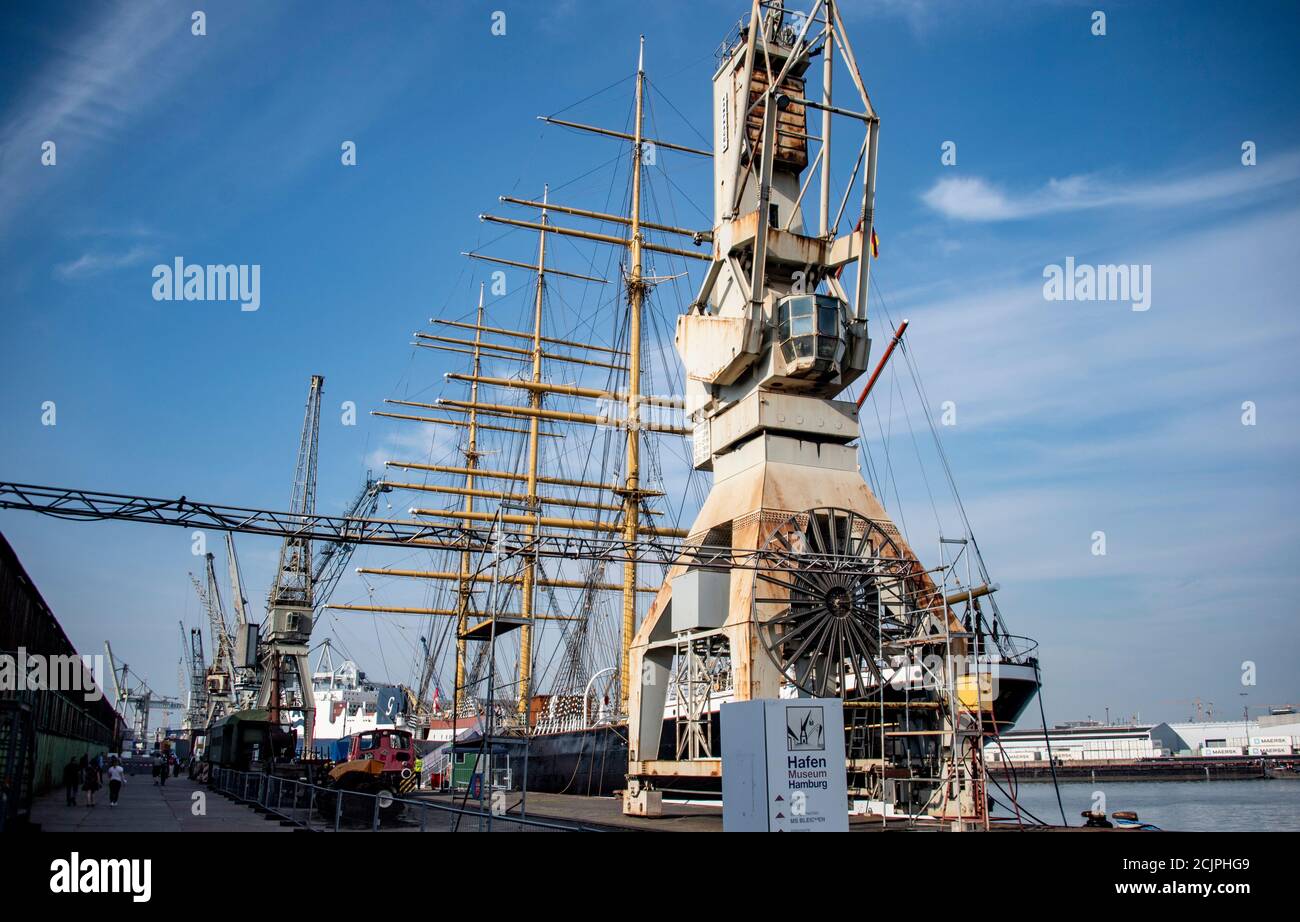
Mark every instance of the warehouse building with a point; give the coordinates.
(1085, 741)
(1276, 734)
(40, 730)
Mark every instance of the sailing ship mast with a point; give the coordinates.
(635, 299)
(465, 586)
(523, 509)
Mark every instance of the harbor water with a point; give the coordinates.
(1254, 805)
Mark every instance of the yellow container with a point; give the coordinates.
(975, 692)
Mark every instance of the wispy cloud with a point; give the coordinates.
(1076, 363)
(973, 198)
(89, 90)
(98, 262)
(411, 441)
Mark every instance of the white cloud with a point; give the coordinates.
(425, 443)
(1039, 361)
(973, 198)
(97, 262)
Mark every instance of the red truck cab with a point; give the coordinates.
(393, 749)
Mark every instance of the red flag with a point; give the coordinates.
(875, 246)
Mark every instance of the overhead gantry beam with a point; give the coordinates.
(655, 548)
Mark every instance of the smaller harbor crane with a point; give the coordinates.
(220, 677)
(196, 711)
(140, 700)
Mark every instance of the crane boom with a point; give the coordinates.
(216, 610)
(197, 705)
(332, 559)
(219, 678)
(293, 581)
(236, 585)
(112, 673)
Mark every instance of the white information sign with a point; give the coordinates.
(783, 766)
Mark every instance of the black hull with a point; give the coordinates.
(1014, 696)
(592, 763)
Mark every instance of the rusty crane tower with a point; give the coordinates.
(770, 342)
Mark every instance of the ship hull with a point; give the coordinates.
(593, 762)
(590, 762)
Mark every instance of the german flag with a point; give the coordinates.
(875, 246)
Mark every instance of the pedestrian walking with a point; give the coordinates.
(90, 782)
(71, 780)
(116, 778)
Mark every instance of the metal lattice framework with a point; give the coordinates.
(91, 506)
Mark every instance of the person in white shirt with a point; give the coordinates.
(116, 778)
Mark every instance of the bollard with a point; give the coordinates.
(374, 822)
(338, 809)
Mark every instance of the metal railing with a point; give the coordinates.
(317, 808)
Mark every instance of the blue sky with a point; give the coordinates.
(1072, 417)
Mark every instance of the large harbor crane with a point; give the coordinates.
(286, 635)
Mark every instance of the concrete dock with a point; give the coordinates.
(147, 807)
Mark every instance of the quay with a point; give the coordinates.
(146, 807)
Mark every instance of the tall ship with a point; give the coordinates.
(650, 430)
(638, 455)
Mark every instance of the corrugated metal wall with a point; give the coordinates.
(67, 724)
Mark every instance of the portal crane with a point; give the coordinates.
(197, 711)
(141, 700)
(220, 676)
(245, 645)
(286, 635)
